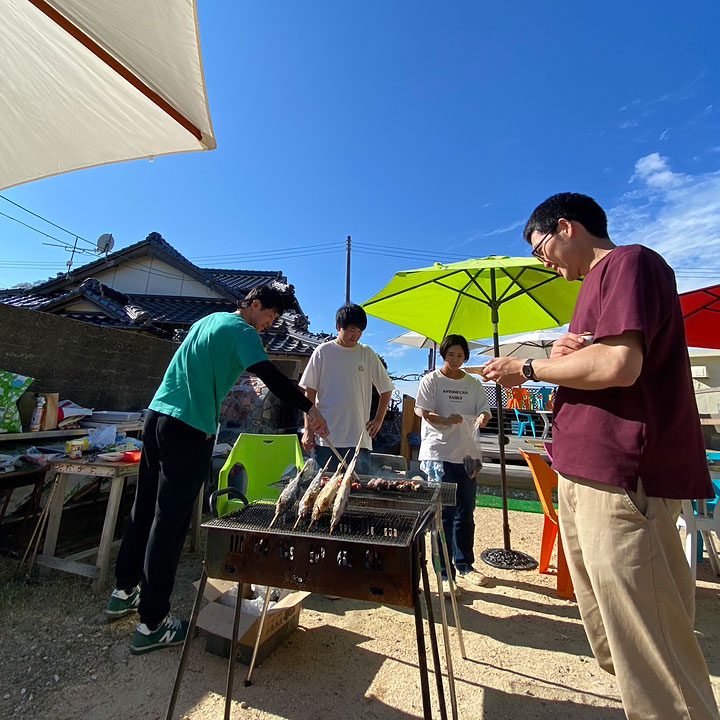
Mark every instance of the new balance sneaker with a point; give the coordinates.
(474, 578)
(170, 632)
(446, 589)
(122, 603)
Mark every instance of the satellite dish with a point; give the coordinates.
(105, 243)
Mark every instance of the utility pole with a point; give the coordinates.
(347, 270)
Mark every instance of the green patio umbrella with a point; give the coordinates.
(490, 296)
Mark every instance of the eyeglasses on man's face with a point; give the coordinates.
(537, 251)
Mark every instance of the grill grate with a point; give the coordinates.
(371, 525)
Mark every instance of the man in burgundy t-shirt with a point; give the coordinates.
(627, 446)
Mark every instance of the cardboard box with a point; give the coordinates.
(27, 403)
(216, 621)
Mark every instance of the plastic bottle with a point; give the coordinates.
(37, 415)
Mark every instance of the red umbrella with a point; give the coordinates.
(701, 310)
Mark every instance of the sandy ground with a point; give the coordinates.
(527, 654)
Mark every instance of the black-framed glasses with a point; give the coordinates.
(537, 250)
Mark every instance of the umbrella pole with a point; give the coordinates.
(505, 558)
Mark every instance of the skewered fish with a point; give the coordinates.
(343, 493)
(308, 499)
(324, 500)
(289, 495)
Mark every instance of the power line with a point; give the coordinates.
(265, 253)
(40, 217)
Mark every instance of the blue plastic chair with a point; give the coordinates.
(523, 419)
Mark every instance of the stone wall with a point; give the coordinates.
(104, 368)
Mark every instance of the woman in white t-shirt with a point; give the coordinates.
(452, 404)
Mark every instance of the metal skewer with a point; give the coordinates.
(443, 615)
(248, 680)
(336, 453)
(451, 580)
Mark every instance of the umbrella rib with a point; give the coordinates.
(414, 287)
(115, 65)
(530, 295)
(473, 279)
(460, 294)
(514, 281)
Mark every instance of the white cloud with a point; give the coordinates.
(394, 350)
(676, 214)
(501, 230)
(654, 170)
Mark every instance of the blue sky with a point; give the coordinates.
(427, 130)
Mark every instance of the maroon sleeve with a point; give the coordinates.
(637, 294)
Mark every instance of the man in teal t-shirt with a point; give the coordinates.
(178, 440)
(216, 352)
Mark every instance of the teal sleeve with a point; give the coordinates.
(250, 348)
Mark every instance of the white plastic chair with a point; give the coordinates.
(702, 521)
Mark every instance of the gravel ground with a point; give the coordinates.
(527, 653)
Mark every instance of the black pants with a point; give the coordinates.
(175, 462)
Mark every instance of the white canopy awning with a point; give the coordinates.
(90, 83)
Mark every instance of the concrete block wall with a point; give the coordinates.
(104, 368)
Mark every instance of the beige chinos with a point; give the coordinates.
(636, 598)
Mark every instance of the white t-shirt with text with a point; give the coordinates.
(444, 396)
(343, 378)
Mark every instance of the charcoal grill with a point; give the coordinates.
(366, 558)
(377, 554)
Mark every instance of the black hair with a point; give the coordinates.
(272, 297)
(350, 314)
(571, 206)
(451, 340)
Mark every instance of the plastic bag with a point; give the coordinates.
(12, 386)
(101, 437)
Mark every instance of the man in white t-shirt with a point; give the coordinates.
(452, 404)
(339, 378)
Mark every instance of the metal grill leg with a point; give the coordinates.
(433, 635)
(443, 614)
(420, 635)
(248, 680)
(233, 651)
(186, 644)
(453, 601)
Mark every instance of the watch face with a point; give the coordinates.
(527, 370)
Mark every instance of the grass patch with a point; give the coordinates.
(493, 501)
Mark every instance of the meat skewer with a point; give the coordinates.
(343, 493)
(308, 499)
(289, 495)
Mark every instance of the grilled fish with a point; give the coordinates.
(308, 499)
(289, 495)
(324, 500)
(343, 494)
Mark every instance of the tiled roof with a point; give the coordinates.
(163, 314)
(242, 281)
(176, 310)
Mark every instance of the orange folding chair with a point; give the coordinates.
(546, 480)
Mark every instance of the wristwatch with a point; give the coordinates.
(527, 370)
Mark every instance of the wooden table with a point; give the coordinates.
(117, 472)
(43, 435)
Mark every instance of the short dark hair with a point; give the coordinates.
(350, 314)
(571, 206)
(451, 340)
(272, 297)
